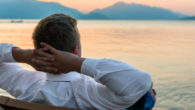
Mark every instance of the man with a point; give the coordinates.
(116, 85)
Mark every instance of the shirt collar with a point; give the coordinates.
(62, 77)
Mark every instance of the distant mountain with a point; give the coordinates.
(32, 9)
(189, 18)
(123, 10)
(94, 16)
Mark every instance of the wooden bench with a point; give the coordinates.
(7, 103)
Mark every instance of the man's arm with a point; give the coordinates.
(121, 78)
(25, 56)
(11, 54)
(13, 78)
(5, 55)
(22, 56)
(124, 84)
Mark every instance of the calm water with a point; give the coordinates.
(165, 49)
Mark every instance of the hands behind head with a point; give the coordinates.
(50, 60)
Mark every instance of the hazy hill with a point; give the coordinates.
(190, 18)
(123, 10)
(32, 9)
(94, 16)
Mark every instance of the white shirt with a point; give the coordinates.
(111, 85)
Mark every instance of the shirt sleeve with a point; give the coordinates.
(6, 53)
(17, 81)
(119, 85)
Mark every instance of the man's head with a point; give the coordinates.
(59, 31)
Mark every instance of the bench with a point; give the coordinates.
(7, 103)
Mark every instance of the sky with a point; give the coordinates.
(182, 6)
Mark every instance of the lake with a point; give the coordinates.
(165, 49)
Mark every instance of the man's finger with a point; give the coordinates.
(51, 49)
(42, 53)
(35, 51)
(35, 67)
(52, 70)
(46, 59)
(39, 63)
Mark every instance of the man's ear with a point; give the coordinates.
(75, 51)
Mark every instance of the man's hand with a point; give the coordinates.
(60, 61)
(24, 56)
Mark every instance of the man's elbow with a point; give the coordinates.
(145, 82)
(137, 86)
(140, 87)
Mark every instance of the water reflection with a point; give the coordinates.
(163, 48)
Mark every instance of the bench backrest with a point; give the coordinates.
(13, 104)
